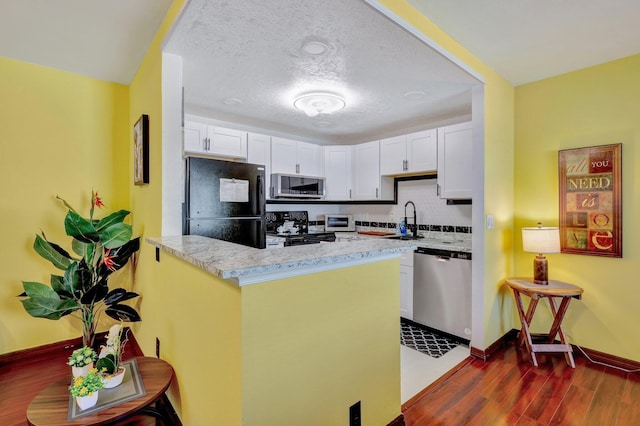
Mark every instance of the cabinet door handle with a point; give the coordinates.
(350, 194)
(376, 193)
(438, 190)
(297, 168)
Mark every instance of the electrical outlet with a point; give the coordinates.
(355, 415)
(157, 348)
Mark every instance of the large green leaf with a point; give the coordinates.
(50, 308)
(36, 289)
(78, 278)
(79, 228)
(119, 295)
(113, 218)
(123, 313)
(94, 294)
(116, 235)
(43, 302)
(51, 253)
(58, 285)
(85, 250)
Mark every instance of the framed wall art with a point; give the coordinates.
(141, 151)
(591, 200)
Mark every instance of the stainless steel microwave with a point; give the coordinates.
(339, 222)
(297, 186)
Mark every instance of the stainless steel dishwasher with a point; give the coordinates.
(442, 290)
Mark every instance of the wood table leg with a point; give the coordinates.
(556, 327)
(524, 332)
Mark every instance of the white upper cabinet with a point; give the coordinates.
(422, 151)
(337, 168)
(393, 155)
(194, 136)
(203, 139)
(259, 152)
(412, 153)
(366, 171)
(294, 157)
(455, 153)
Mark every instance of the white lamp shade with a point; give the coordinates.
(541, 240)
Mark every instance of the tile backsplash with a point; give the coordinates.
(433, 213)
(435, 217)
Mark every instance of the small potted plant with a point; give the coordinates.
(81, 361)
(111, 355)
(85, 389)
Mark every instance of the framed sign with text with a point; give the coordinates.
(591, 200)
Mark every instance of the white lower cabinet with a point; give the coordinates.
(406, 285)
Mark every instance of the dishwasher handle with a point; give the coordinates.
(444, 259)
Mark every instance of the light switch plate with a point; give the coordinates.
(490, 223)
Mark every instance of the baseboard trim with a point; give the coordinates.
(601, 357)
(33, 354)
(398, 421)
(496, 346)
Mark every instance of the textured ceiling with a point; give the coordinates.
(251, 51)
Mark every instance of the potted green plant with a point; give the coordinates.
(85, 389)
(100, 247)
(111, 355)
(81, 361)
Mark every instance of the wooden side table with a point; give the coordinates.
(555, 289)
(50, 407)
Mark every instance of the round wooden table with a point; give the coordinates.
(554, 289)
(50, 407)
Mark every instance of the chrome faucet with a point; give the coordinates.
(414, 228)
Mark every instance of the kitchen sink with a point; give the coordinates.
(404, 237)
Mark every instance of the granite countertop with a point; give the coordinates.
(443, 241)
(247, 265)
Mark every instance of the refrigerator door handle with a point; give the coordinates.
(260, 193)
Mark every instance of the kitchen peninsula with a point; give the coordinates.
(316, 332)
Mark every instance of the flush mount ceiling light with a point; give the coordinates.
(232, 101)
(315, 48)
(322, 123)
(316, 103)
(414, 96)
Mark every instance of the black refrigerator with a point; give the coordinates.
(225, 200)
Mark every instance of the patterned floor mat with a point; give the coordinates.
(425, 341)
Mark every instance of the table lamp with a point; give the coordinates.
(541, 240)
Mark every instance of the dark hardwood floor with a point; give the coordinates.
(508, 390)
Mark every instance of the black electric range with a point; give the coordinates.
(293, 226)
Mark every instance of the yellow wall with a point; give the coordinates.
(146, 200)
(498, 181)
(60, 134)
(594, 106)
(314, 345)
(196, 317)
